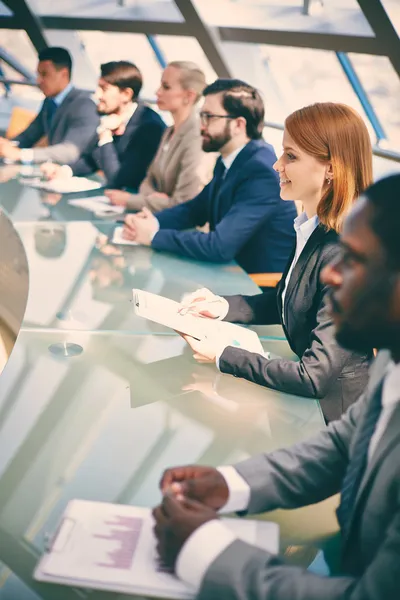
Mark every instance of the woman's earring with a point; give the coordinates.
(328, 180)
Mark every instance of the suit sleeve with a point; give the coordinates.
(130, 170)
(82, 126)
(260, 309)
(184, 216)
(86, 164)
(33, 133)
(255, 201)
(243, 571)
(311, 376)
(305, 473)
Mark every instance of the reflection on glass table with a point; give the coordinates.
(78, 280)
(104, 424)
(25, 203)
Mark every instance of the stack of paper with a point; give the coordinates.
(66, 185)
(100, 205)
(118, 239)
(112, 547)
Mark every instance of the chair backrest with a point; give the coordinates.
(19, 121)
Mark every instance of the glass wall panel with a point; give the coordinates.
(103, 47)
(392, 8)
(329, 16)
(382, 85)
(5, 11)
(152, 10)
(186, 48)
(290, 78)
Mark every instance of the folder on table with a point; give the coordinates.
(112, 547)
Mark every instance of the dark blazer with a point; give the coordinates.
(73, 125)
(326, 370)
(126, 160)
(307, 473)
(248, 221)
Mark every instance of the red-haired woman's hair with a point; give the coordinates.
(337, 134)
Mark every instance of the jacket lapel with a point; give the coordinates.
(303, 264)
(131, 125)
(174, 139)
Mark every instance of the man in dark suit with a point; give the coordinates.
(68, 117)
(248, 221)
(128, 135)
(358, 455)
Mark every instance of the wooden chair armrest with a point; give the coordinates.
(266, 279)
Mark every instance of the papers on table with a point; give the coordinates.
(118, 239)
(166, 312)
(66, 185)
(100, 205)
(112, 547)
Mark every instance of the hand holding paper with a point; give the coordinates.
(203, 303)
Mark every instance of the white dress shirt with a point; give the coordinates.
(198, 554)
(126, 117)
(304, 228)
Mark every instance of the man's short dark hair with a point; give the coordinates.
(384, 196)
(240, 99)
(123, 74)
(60, 57)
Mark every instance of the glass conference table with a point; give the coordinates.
(95, 403)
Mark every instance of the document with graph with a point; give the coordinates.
(112, 547)
(169, 313)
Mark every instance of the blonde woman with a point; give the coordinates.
(326, 164)
(179, 169)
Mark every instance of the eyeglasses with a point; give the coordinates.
(206, 117)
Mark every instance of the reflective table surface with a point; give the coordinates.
(95, 403)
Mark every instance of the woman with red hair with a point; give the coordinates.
(325, 165)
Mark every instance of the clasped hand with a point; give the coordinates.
(191, 497)
(140, 227)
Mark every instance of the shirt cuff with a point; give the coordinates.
(224, 308)
(67, 171)
(201, 549)
(218, 357)
(105, 139)
(239, 490)
(26, 155)
(156, 231)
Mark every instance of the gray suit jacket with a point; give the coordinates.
(308, 473)
(179, 169)
(73, 126)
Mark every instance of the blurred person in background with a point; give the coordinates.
(326, 163)
(68, 116)
(128, 135)
(179, 169)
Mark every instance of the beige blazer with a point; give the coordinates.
(179, 169)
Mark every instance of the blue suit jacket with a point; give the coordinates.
(126, 160)
(248, 221)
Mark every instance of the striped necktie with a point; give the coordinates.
(358, 463)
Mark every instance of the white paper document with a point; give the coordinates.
(166, 312)
(66, 185)
(112, 547)
(118, 239)
(100, 205)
